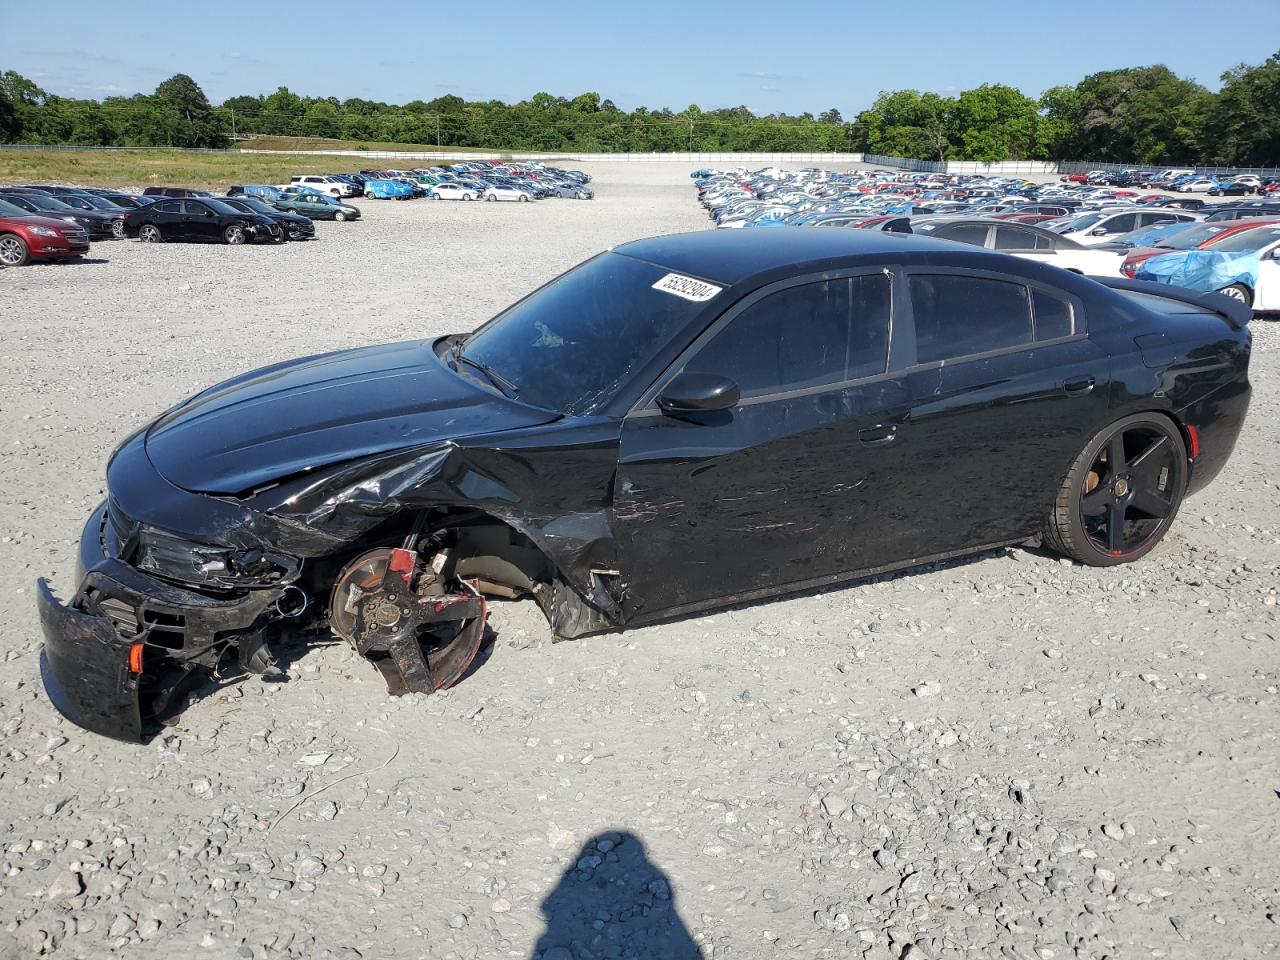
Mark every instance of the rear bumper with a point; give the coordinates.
(92, 673)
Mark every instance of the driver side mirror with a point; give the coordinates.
(1098, 232)
(692, 392)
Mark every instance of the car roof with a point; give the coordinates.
(730, 256)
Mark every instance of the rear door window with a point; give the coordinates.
(973, 233)
(1013, 238)
(956, 316)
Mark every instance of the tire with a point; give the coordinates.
(524, 198)
(234, 235)
(117, 229)
(13, 251)
(1238, 291)
(150, 233)
(1103, 517)
(491, 197)
(340, 217)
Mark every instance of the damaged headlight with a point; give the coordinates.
(174, 558)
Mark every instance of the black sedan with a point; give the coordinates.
(674, 425)
(98, 224)
(292, 226)
(199, 219)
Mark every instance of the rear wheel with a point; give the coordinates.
(150, 233)
(524, 198)
(13, 250)
(1238, 291)
(1121, 494)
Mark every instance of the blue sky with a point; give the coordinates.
(770, 56)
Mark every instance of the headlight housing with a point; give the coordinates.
(45, 232)
(197, 564)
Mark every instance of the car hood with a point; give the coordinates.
(42, 220)
(299, 415)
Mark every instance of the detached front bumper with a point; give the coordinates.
(119, 652)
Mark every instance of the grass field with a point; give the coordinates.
(128, 168)
(320, 143)
(109, 168)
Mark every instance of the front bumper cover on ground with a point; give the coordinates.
(91, 669)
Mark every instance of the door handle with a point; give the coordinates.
(879, 435)
(1078, 386)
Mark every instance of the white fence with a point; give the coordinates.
(1045, 167)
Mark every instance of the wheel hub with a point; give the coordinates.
(1121, 487)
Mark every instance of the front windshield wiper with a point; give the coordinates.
(509, 389)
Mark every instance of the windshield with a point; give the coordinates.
(1081, 223)
(1192, 237)
(570, 345)
(45, 203)
(1247, 241)
(78, 202)
(219, 206)
(99, 202)
(250, 203)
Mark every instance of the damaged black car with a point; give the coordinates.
(676, 424)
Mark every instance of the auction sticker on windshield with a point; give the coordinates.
(699, 291)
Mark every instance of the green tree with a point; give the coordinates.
(995, 123)
(1243, 123)
(1141, 114)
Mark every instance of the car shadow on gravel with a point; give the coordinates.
(612, 900)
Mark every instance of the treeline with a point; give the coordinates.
(1142, 115)
(1145, 115)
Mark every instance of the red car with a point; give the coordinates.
(174, 192)
(24, 237)
(1199, 236)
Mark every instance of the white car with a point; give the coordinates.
(1200, 185)
(500, 191)
(330, 186)
(1026, 242)
(1265, 242)
(452, 191)
(1102, 226)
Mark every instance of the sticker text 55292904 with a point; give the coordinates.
(696, 290)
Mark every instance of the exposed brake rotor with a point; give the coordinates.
(399, 613)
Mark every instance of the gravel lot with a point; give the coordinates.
(1008, 757)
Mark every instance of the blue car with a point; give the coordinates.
(260, 190)
(387, 190)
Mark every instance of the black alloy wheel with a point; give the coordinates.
(1121, 494)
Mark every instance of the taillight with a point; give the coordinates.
(1193, 434)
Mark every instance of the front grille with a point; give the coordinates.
(154, 626)
(75, 236)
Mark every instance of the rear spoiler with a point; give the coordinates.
(1236, 314)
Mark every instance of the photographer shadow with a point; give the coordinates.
(613, 902)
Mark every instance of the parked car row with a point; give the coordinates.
(489, 180)
(1083, 228)
(1181, 181)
